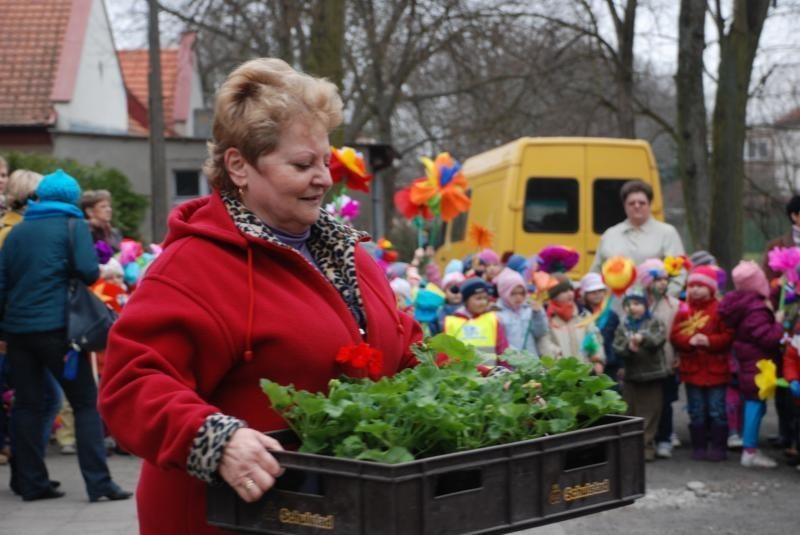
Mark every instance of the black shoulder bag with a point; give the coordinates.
(88, 318)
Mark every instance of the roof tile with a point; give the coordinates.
(31, 34)
(135, 66)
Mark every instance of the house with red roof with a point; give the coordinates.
(66, 90)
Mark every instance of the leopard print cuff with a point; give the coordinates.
(208, 444)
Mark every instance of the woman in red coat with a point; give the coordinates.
(255, 281)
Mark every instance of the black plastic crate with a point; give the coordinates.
(498, 489)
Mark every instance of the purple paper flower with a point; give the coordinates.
(103, 250)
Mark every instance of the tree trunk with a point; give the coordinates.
(737, 52)
(159, 200)
(692, 130)
(326, 48)
(624, 72)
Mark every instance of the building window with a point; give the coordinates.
(551, 205)
(607, 208)
(757, 149)
(189, 183)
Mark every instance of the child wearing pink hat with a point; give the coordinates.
(758, 331)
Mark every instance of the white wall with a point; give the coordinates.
(98, 102)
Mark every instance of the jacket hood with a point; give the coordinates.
(204, 217)
(737, 305)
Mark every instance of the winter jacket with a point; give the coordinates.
(702, 366)
(35, 269)
(649, 362)
(523, 327)
(570, 339)
(756, 335)
(666, 308)
(216, 312)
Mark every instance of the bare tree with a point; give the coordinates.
(738, 46)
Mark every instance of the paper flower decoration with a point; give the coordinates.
(619, 273)
(766, 378)
(695, 323)
(347, 166)
(443, 190)
(480, 236)
(129, 251)
(103, 250)
(785, 260)
(542, 282)
(558, 259)
(402, 202)
(343, 208)
(673, 265)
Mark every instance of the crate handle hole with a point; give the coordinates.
(585, 456)
(459, 481)
(301, 482)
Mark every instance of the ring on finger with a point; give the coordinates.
(249, 484)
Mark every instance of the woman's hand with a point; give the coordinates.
(246, 464)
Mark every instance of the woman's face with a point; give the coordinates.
(3, 178)
(287, 186)
(100, 212)
(637, 208)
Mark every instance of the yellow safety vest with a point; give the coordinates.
(480, 332)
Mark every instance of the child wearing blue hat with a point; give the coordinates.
(640, 340)
(474, 323)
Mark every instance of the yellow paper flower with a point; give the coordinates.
(619, 273)
(674, 264)
(766, 379)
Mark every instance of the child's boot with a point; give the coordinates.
(719, 443)
(699, 438)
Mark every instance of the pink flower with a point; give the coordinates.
(785, 260)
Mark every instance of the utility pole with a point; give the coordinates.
(158, 155)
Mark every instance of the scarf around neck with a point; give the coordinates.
(565, 311)
(43, 209)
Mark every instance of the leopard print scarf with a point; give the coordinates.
(332, 244)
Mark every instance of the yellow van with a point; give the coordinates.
(535, 192)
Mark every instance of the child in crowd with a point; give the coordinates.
(489, 264)
(639, 340)
(702, 342)
(572, 333)
(654, 280)
(595, 300)
(452, 296)
(757, 335)
(427, 302)
(402, 292)
(791, 372)
(474, 323)
(524, 323)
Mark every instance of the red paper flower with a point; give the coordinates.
(361, 360)
(347, 166)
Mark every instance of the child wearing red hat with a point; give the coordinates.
(702, 342)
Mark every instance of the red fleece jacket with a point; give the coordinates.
(216, 312)
(702, 366)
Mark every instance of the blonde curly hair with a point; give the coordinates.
(253, 106)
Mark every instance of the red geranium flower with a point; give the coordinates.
(361, 360)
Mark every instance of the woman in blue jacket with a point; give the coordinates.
(35, 269)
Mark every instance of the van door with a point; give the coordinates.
(551, 186)
(608, 167)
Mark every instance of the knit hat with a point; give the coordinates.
(426, 305)
(397, 269)
(564, 285)
(473, 285)
(488, 257)
(401, 287)
(454, 266)
(452, 279)
(748, 276)
(705, 276)
(591, 282)
(59, 186)
(635, 293)
(650, 270)
(517, 262)
(702, 258)
(506, 281)
(111, 268)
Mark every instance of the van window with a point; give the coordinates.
(551, 205)
(459, 223)
(607, 208)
